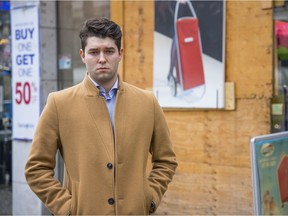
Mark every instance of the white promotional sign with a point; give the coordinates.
(25, 71)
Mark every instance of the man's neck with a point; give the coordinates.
(107, 86)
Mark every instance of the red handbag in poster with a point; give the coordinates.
(189, 50)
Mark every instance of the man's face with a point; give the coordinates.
(101, 57)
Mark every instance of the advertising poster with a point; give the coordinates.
(25, 71)
(270, 162)
(189, 54)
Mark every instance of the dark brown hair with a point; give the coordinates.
(102, 28)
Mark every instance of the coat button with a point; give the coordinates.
(109, 165)
(111, 201)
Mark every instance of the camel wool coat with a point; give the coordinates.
(105, 172)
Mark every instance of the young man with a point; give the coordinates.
(104, 129)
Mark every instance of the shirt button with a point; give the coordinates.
(109, 165)
(111, 201)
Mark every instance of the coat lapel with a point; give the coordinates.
(120, 113)
(99, 113)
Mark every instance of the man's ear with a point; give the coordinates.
(82, 55)
(121, 53)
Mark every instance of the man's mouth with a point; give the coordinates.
(102, 68)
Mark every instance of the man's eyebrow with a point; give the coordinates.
(92, 49)
(110, 48)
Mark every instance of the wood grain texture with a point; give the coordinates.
(249, 47)
(138, 44)
(116, 11)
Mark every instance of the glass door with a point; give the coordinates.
(5, 95)
(279, 109)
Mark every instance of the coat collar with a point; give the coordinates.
(92, 90)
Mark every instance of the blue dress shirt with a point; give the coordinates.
(109, 97)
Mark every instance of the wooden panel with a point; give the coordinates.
(212, 146)
(229, 96)
(232, 191)
(225, 190)
(218, 136)
(116, 11)
(213, 150)
(249, 48)
(187, 192)
(139, 27)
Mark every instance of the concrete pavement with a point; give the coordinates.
(5, 200)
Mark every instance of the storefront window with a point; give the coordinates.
(71, 15)
(280, 98)
(5, 94)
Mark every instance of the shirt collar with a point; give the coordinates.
(112, 91)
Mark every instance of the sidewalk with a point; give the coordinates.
(5, 200)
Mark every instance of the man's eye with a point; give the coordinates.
(109, 52)
(94, 52)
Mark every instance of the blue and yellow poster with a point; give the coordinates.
(271, 157)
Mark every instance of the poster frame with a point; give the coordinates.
(262, 140)
(211, 95)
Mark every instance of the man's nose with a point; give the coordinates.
(102, 57)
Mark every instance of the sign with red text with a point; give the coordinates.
(25, 71)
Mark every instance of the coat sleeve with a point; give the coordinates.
(39, 170)
(163, 157)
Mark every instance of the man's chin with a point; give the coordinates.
(105, 78)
